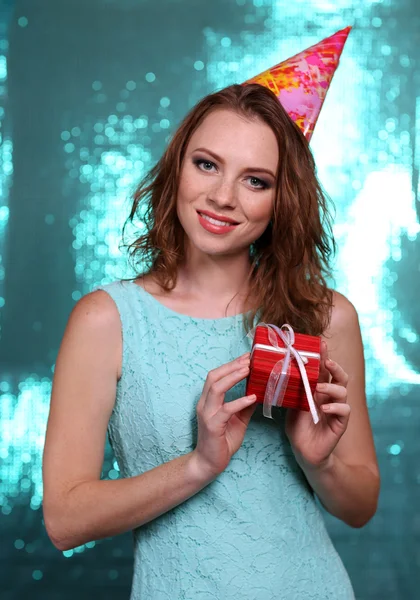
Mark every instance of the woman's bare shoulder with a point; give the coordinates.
(96, 309)
(343, 314)
(95, 323)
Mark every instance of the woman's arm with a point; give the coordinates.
(347, 482)
(78, 506)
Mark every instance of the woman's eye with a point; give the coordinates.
(204, 165)
(258, 183)
(208, 165)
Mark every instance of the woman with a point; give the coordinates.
(220, 499)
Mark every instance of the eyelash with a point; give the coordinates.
(200, 161)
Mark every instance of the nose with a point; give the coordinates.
(223, 193)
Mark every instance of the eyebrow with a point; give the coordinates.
(220, 159)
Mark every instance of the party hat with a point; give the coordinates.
(302, 81)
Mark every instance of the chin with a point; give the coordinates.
(219, 247)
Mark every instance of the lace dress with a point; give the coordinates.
(255, 532)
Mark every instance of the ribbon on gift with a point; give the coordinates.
(279, 376)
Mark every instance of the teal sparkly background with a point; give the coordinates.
(89, 92)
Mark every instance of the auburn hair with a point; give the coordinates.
(289, 262)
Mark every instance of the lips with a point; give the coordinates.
(221, 218)
(215, 227)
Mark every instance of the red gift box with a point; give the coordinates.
(265, 355)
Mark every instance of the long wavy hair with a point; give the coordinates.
(289, 262)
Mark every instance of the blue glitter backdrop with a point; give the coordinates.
(89, 92)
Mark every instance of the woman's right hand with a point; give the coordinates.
(222, 425)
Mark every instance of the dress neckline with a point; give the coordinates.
(170, 311)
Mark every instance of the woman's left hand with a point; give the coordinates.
(313, 444)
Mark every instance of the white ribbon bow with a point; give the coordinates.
(279, 376)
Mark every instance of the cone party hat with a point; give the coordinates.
(302, 81)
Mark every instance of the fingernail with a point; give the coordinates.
(326, 407)
(320, 386)
(330, 362)
(244, 370)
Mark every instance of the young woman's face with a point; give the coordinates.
(228, 173)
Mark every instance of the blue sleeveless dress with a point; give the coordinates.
(255, 532)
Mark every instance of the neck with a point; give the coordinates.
(218, 278)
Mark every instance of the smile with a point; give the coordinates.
(216, 221)
(215, 226)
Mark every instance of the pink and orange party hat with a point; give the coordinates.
(302, 81)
